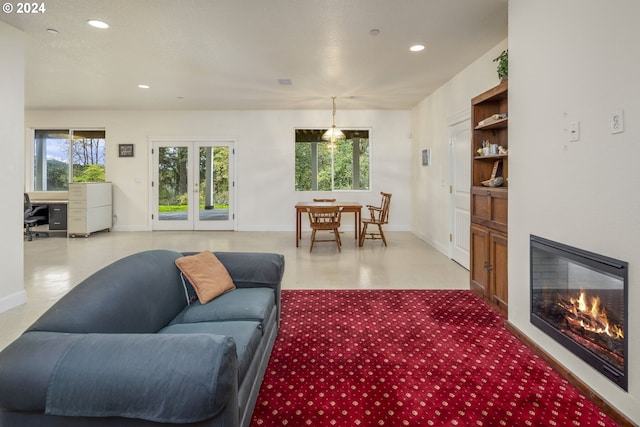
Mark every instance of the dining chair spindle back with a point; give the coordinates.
(325, 218)
(378, 216)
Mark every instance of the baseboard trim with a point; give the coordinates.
(606, 407)
(436, 245)
(267, 228)
(346, 226)
(131, 228)
(13, 300)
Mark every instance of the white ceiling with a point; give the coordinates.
(230, 54)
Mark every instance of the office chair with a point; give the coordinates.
(33, 217)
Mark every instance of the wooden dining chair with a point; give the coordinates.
(379, 216)
(324, 201)
(325, 218)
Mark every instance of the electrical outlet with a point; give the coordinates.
(574, 131)
(617, 122)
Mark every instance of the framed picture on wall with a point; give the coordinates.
(426, 157)
(125, 150)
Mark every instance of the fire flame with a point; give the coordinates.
(591, 315)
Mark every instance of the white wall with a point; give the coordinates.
(430, 129)
(11, 139)
(567, 66)
(264, 157)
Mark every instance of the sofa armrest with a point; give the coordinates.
(26, 366)
(157, 377)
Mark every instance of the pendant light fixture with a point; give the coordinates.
(333, 134)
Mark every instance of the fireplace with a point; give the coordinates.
(579, 298)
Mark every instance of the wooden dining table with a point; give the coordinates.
(351, 207)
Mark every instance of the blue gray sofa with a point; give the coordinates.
(125, 348)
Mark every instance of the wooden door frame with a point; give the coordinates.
(452, 121)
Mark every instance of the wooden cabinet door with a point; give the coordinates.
(479, 260)
(489, 207)
(498, 272)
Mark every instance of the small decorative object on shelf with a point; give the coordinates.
(494, 182)
(489, 149)
(497, 168)
(491, 119)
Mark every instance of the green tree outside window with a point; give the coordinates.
(323, 166)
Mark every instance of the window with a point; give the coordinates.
(67, 155)
(322, 166)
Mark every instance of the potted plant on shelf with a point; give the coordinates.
(503, 65)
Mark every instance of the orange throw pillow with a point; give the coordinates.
(207, 275)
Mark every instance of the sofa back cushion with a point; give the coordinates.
(140, 293)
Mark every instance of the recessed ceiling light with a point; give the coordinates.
(98, 24)
(374, 32)
(416, 48)
(143, 86)
(52, 31)
(285, 82)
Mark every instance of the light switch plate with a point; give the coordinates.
(574, 131)
(617, 121)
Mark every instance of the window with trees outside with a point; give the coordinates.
(67, 155)
(325, 166)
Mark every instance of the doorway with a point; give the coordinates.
(460, 170)
(192, 185)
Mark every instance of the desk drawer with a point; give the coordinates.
(77, 192)
(77, 204)
(57, 217)
(77, 221)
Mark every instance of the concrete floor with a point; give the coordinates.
(54, 265)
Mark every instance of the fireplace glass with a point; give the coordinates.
(579, 298)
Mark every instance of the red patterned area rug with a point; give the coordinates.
(408, 358)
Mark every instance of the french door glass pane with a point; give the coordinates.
(173, 203)
(214, 183)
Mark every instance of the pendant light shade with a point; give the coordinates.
(333, 134)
